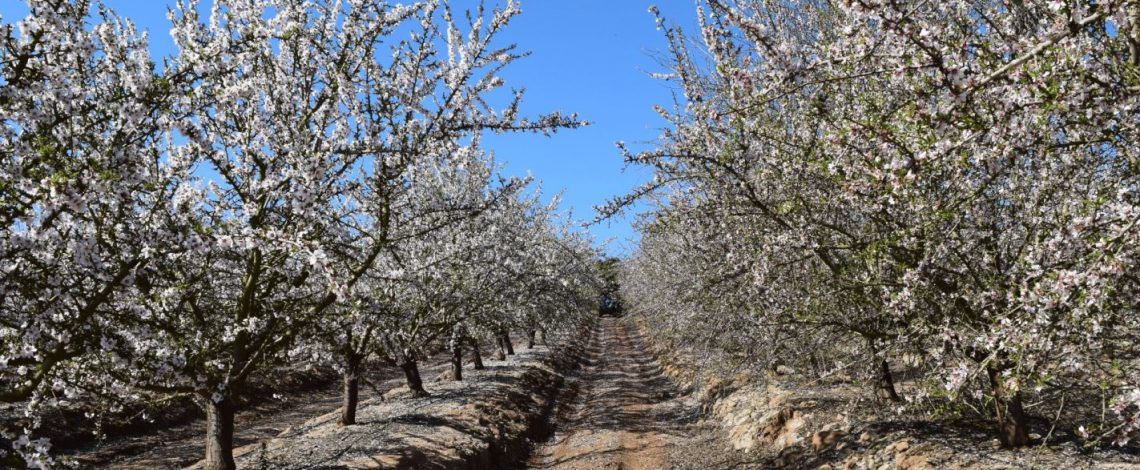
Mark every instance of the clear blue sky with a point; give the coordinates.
(592, 57)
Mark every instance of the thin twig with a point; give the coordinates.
(1053, 425)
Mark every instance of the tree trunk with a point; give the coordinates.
(530, 339)
(542, 337)
(507, 342)
(500, 350)
(412, 374)
(816, 365)
(885, 386)
(457, 358)
(476, 356)
(1013, 425)
(219, 434)
(884, 381)
(351, 396)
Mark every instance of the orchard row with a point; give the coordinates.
(300, 180)
(947, 187)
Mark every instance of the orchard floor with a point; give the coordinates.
(617, 410)
(621, 412)
(182, 445)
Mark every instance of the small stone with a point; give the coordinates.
(901, 446)
(913, 462)
(865, 437)
(823, 439)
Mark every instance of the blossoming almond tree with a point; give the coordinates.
(295, 122)
(416, 116)
(439, 195)
(478, 276)
(747, 178)
(1020, 143)
(83, 114)
(262, 123)
(964, 170)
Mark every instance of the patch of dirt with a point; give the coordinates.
(70, 426)
(180, 444)
(481, 422)
(622, 412)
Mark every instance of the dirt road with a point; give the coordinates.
(621, 412)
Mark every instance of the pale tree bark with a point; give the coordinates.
(500, 348)
(456, 356)
(884, 381)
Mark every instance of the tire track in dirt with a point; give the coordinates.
(622, 412)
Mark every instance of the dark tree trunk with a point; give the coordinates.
(1013, 425)
(885, 383)
(351, 396)
(530, 339)
(816, 365)
(507, 342)
(500, 349)
(476, 355)
(457, 358)
(219, 434)
(412, 374)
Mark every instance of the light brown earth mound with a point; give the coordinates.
(793, 421)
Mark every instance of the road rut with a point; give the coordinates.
(622, 412)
